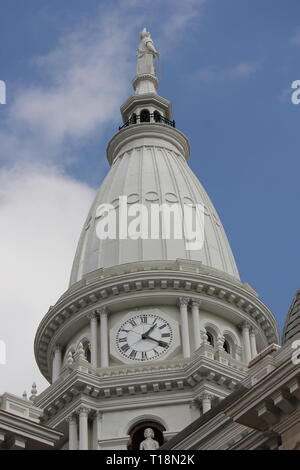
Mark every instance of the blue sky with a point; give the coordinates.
(227, 66)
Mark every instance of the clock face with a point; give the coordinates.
(144, 337)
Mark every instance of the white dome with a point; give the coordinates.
(149, 166)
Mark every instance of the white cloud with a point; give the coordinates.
(242, 70)
(83, 82)
(239, 71)
(182, 15)
(41, 212)
(85, 78)
(207, 73)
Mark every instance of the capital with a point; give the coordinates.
(206, 396)
(102, 311)
(252, 331)
(196, 303)
(245, 325)
(98, 415)
(83, 411)
(183, 301)
(92, 315)
(71, 419)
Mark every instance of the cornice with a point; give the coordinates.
(278, 393)
(101, 292)
(127, 386)
(145, 76)
(22, 426)
(161, 132)
(146, 99)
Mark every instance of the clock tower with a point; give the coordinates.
(151, 332)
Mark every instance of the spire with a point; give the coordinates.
(33, 392)
(145, 80)
(292, 322)
(146, 105)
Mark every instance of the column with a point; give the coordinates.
(246, 342)
(206, 402)
(83, 428)
(57, 362)
(194, 408)
(103, 336)
(73, 432)
(253, 343)
(183, 304)
(196, 323)
(97, 424)
(93, 335)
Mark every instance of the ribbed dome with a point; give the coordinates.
(148, 174)
(292, 322)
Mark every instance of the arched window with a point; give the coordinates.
(87, 352)
(136, 434)
(145, 116)
(157, 116)
(230, 344)
(226, 346)
(86, 348)
(133, 119)
(210, 339)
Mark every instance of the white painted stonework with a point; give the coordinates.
(217, 323)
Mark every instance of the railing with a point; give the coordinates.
(153, 118)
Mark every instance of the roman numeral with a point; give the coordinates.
(155, 352)
(144, 356)
(125, 348)
(133, 323)
(165, 335)
(162, 326)
(122, 340)
(143, 318)
(132, 354)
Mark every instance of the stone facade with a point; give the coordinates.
(264, 413)
(20, 426)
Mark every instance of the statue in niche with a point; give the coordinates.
(149, 443)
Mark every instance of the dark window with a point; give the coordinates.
(145, 116)
(157, 116)
(87, 352)
(226, 346)
(210, 338)
(133, 119)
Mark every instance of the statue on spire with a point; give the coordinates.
(146, 53)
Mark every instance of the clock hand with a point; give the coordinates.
(131, 331)
(145, 335)
(159, 341)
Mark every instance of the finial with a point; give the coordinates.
(33, 392)
(24, 395)
(146, 53)
(144, 33)
(70, 359)
(80, 350)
